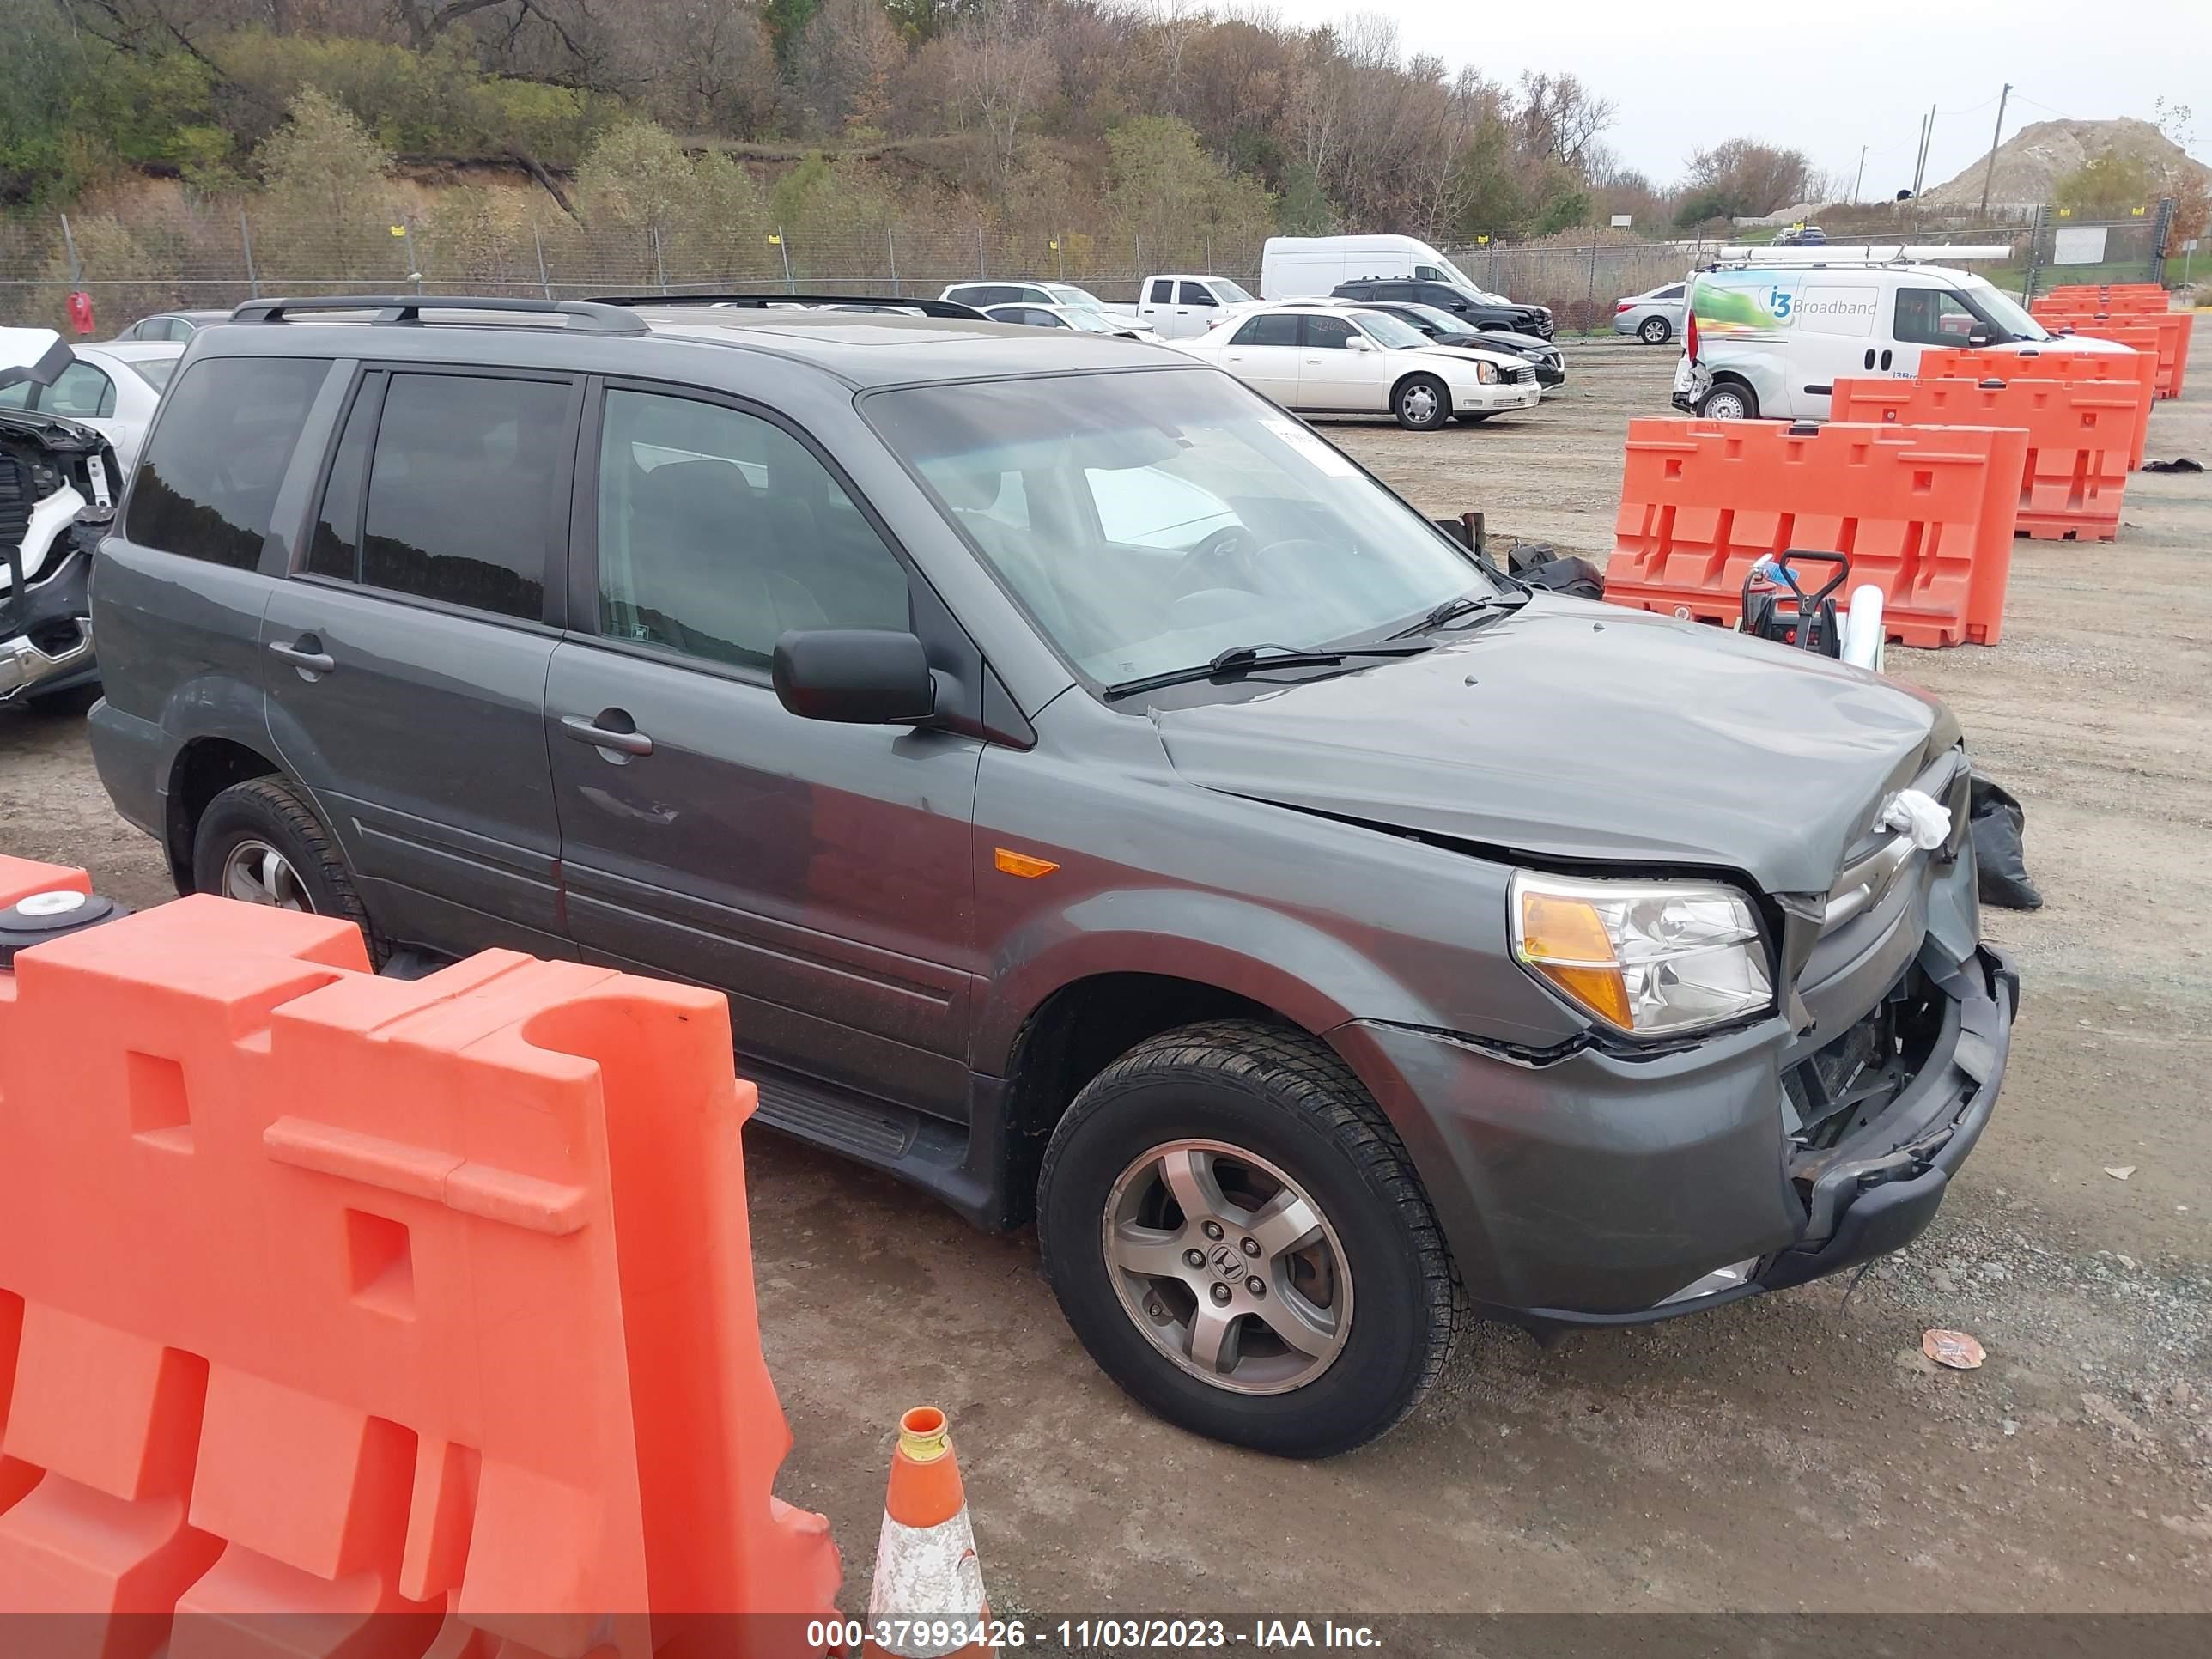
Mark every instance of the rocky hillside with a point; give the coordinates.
(2033, 161)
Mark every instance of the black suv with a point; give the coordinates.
(1472, 306)
(1102, 802)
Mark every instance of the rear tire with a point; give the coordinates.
(1421, 403)
(1256, 1121)
(1656, 331)
(1731, 400)
(261, 843)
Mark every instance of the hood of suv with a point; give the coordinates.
(36, 355)
(1570, 731)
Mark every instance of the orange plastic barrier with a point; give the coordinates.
(2053, 362)
(2079, 434)
(2166, 333)
(1925, 513)
(21, 878)
(2110, 297)
(312, 1304)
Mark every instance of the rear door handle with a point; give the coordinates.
(600, 737)
(300, 655)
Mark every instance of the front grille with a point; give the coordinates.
(1523, 374)
(15, 504)
(1850, 1082)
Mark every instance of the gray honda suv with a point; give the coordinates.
(1103, 802)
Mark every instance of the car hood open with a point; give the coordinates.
(1570, 733)
(36, 355)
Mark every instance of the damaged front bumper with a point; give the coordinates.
(1600, 1189)
(46, 630)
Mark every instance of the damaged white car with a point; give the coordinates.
(58, 485)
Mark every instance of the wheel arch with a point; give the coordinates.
(1442, 386)
(203, 769)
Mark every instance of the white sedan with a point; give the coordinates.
(1082, 319)
(1323, 359)
(112, 387)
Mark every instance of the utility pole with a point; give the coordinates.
(1920, 162)
(1860, 177)
(1990, 173)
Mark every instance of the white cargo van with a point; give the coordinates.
(1309, 267)
(1771, 339)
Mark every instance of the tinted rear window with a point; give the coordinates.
(208, 481)
(460, 493)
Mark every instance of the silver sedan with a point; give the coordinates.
(1654, 317)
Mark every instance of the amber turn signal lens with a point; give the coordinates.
(1564, 940)
(1021, 864)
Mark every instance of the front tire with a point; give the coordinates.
(1656, 331)
(1731, 400)
(260, 842)
(1477, 418)
(1237, 1235)
(1421, 403)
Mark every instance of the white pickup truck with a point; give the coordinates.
(1179, 305)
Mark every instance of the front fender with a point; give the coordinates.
(1310, 976)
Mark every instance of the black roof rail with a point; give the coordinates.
(764, 301)
(585, 316)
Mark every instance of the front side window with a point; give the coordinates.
(1933, 316)
(1148, 521)
(1197, 294)
(1328, 333)
(207, 482)
(81, 392)
(460, 490)
(718, 531)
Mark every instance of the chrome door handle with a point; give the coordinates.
(315, 662)
(584, 731)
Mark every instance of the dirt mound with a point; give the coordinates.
(2037, 157)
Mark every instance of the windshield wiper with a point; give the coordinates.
(1242, 659)
(1496, 604)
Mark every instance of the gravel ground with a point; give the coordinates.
(1795, 1453)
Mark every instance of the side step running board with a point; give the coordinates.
(927, 1152)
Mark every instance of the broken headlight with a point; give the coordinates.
(1650, 958)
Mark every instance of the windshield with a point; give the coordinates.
(1395, 333)
(1454, 274)
(1066, 294)
(1443, 321)
(1149, 521)
(1090, 321)
(155, 371)
(2001, 308)
(1231, 293)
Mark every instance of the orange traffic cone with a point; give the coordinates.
(927, 1600)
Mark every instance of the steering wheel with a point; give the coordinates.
(1231, 557)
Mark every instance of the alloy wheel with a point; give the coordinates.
(256, 873)
(1228, 1267)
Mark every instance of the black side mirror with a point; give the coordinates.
(1979, 337)
(856, 675)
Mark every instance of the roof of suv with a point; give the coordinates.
(863, 349)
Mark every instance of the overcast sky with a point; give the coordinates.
(1686, 74)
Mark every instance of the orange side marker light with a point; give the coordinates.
(1022, 864)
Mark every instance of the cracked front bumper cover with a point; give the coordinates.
(45, 632)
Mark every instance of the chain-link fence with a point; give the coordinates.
(214, 256)
(2063, 250)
